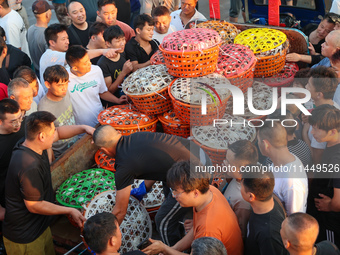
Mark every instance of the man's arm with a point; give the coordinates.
(64, 132)
(122, 201)
(109, 53)
(327, 204)
(294, 57)
(47, 208)
(108, 96)
(137, 66)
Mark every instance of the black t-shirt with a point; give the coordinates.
(91, 7)
(77, 36)
(4, 76)
(264, 233)
(326, 248)
(29, 178)
(17, 59)
(134, 253)
(123, 11)
(135, 52)
(7, 144)
(149, 156)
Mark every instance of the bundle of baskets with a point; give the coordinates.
(227, 31)
(173, 125)
(191, 52)
(148, 89)
(269, 46)
(127, 119)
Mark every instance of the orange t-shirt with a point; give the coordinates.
(218, 220)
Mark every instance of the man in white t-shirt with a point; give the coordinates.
(14, 27)
(291, 184)
(162, 19)
(186, 14)
(86, 87)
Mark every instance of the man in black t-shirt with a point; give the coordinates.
(265, 220)
(78, 31)
(29, 192)
(141, 47)
(148, 156)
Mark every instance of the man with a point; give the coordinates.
(11, 131)
(291, 185)
(102, 234)
(78, 31)
(329, 47)
(35, 35)
(4, 76)
(239, 154)
(87, 87)
(96, 39)
(299, 232)
(90, 9)
(161, 17)
(207, 245)
(212, 213)
(141, 47)
(150, 5)
(17, 6)
(29, 191)
(20, 91)
(159, 153)
(57, 101)
(29, 75)
(61, 12)
(325, 187)
(265, 220)
(107, 11)
(187, 13)
(14, 26)
(234, 11)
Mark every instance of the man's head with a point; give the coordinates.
(42, 10)
(188, 7)
(78, 60)
(322, 83)
(326, 25)
(20, 91)
(161, 17)
(77, 13)
(114, 38)
(3, 7)
(96, 32)
(56, 80)
(101, 233)
(257, 185)
(187, 184)
(271, 137)
(56, 37)
(3, 48)
(335, 62)
(325, 122)
(144, 25)
(40, 129)
(240, 153)
(299, 232)
(207, 245)
(331, 44)
(107, 11)
(10, 116)
(288, 120)
(106, 138)
(29, 75)
(300, 80)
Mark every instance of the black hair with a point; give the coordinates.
(141, 20)
(97, 28)
(113, 32)
(160, 11)
(52, 31)
(244, 150)
(8, 106)
(324, 80)
(102, 3)
(56, 73)
(26, 73)
(36, 122)
(325, 117)
(74, 54)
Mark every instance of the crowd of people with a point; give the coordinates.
(56, 78)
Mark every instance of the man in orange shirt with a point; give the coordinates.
(213, 216)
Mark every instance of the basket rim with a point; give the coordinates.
(96, 158)
(207, 147)
(186, 52)
(283, 52)
(149, 94)
(172, 124)
(253, 65)
(122, 127)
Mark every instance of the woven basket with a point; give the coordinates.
(157, 58)
(237, 63)
(147, 88)
(191, 52)
(127, 119)
(173, 126)
(227, 31)
(186, 95)
(284, 78)
(269, 46)
(104, 161)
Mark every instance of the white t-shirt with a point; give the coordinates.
(50, 58)
(177, 22)
(291, 187)
(15, 30)
(41, 93)
(335, 7)
(336, 97)
(84, 92)
(159, 37)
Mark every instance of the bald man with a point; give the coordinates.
(148, 156)
(299, 232)
(291, 184)
(329, 47)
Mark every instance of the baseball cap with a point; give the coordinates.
(41, 6)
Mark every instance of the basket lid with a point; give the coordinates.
(220, 136)
(157, 58)
(147, 80)
(124, 116)
(83, 186)
(234, 59)
(190, 90)
(153, 198)
(226, 30)
(195, 39)
(285, 76)
(104, 161)
(261, 39)
(170, 117)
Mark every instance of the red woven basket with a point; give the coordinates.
(284, 78)
(172, 125)
(216, 155)
(157, 58)
(237, 63)
(104, 161)
(191, 52)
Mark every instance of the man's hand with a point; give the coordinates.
(311, 49)
(110, 53)
(323, 204)
(127, 67)
(188, 224)
(304, 119)
(89, 130)
(293, 57)
(77, 217)
(122, 99)
(155, 248)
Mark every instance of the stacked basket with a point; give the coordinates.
(284, 78)
(173, 125)
(227, 31)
